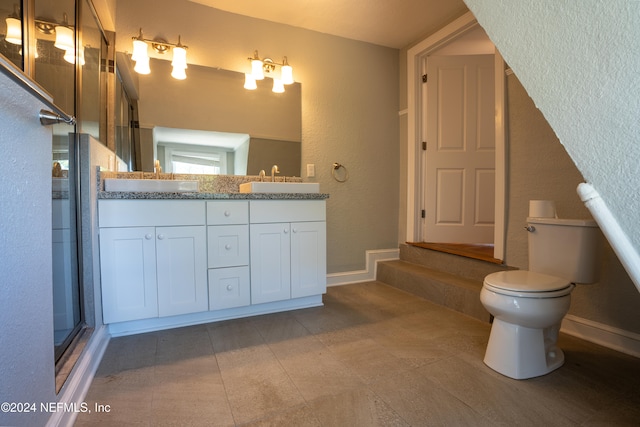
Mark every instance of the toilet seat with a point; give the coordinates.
(527, 284)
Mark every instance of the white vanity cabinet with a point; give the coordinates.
(153, 258)
(288, 249)
(228, 254)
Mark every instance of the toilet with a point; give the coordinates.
(528, 306)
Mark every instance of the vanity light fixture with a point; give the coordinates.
(262, 67)
(141, 56)
(14, 27)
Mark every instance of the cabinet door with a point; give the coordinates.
(270, 262)
(182, 270)
(308, 259)
(128, 272)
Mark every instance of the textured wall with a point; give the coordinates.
(26, 305)
(349, 109)
(579, 62)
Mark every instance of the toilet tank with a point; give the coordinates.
(567, 248)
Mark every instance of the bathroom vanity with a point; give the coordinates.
(172, 259)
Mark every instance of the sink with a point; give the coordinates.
(151, 185)
(280, 187)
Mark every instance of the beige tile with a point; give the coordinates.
(421, 402)
(496, 398)
(299, 416)
(355, 408)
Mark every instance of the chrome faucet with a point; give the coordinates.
(261, 175)
(274, 170)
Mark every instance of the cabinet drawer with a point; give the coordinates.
(227, 212)
(141, 213)
(228, 245)
(229, 287)
(267, 211)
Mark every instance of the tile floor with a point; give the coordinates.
(373, 355)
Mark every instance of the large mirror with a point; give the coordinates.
(208, 123)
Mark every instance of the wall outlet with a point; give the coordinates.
(311, 170)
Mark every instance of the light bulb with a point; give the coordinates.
(142, 66)
(179, 57)
(256, 69)
(278, 87)
(64, 38)
(250, 82)
(178, 73)
(139, 50)
(14, 31)
(286, 72)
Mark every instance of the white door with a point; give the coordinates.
(459, 199)
(270, 262)
(308, 258)
(182, 270)
(128, 270)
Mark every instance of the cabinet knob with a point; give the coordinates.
(285, 231)
(295, 230)
(227, 247)
(227, 213)
(160, 236)
(148, 236)
(229, 287)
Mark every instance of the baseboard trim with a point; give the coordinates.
(81, 377)
(601, 334)
(372, 258)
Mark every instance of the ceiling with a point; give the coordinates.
(390, 23)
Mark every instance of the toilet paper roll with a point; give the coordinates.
(542, 209)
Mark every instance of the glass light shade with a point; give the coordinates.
(278, 87)
(64, 38)
(178, 73)
(256, 69)
(286, 74)
(179, 58)
(70, 56)
(14, 31)
(139, 50)
(250, 82)
(142, 66)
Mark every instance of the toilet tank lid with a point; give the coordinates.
(525, 281)
(563, 221)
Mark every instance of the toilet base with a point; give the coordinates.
(519, 352)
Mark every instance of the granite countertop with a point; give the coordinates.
(212, 187)
(126, 195)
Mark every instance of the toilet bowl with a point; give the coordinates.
(528, 306)
(528, 309)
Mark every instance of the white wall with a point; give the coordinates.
(349, 108)
(579, 62)
(26, 305)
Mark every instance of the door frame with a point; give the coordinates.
(415, 55)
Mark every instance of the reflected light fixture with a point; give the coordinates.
(141, 56)
(14, 27)
(262, 67)
(250, 81)
(278, 87)
(64, 36)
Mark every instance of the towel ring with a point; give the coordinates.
(337, 166)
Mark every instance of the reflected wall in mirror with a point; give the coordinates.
(210, 120)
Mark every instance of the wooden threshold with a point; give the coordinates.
(483, 252)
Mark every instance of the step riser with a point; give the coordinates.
(454, 264)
